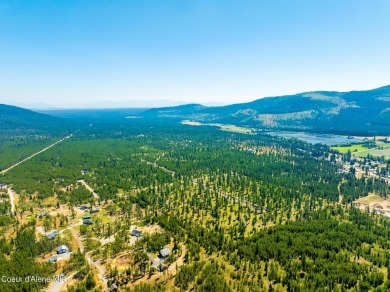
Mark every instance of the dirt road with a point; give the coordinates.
(11, 200)
(158, 166)
(96, 196)
(102, 271)
(57, 285)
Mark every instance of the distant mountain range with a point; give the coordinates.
(41, 106)
(354, 112)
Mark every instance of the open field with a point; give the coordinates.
(191, 123)
(233, 128)
(359, 150)
(371, 137)
(352, 148)
(376, 152)
(222, 127)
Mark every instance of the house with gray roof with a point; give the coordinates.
(52, 259)
(166, 251)
(62, 249)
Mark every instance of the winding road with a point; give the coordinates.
(56, 286)
(102, 271)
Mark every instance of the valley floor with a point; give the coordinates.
(186, 208)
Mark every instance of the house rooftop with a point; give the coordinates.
(62, 249)
(161, 267)
(136, 233)
(94, 209)
(166, 251)
(51, 235)
(87, 221)
(52, 259)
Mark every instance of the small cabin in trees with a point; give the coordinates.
(87, 222)
(166, 251)
(136, 233)
(51, 236)
(52, 260)
(94, 210)
(62, 249)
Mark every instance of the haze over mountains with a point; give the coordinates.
(356, 112)
(104, 104)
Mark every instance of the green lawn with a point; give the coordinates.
(352, 148)
(361, 151)
(376, 152)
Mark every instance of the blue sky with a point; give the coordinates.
(74, 53)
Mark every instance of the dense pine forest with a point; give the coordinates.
(237, 212)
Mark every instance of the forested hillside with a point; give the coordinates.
(355, 112)
(17, 121)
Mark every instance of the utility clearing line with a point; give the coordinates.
(35, 154)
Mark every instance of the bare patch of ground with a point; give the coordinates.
(374, 203)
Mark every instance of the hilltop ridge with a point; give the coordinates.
(22, 121)
(355, 112)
